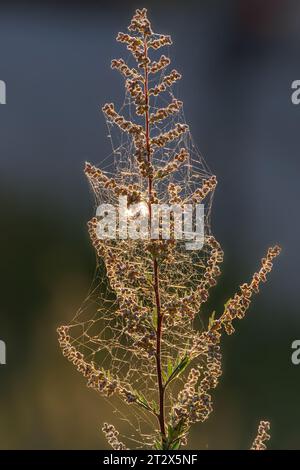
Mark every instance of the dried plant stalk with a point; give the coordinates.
(262, 436)
(148, 350)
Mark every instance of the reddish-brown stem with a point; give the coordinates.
(161, 391)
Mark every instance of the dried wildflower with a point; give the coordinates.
(141, 345)
(160, 64)
(174, 191)
(238, 305)
(98, 179)
(133, 42)
(172, 166)
(208, 186)
(111, 435)
(168, 136)
(262, 436)
(96, 379)
(166, 82)
(163, 113)
(126, 126)
(160, 42)
(140, 23)
(120, 65)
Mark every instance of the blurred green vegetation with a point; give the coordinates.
(47, 267)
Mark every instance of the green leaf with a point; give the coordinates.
(157, 445)
(154, 317)
(154, 406)
(174, 435)
(170, 367)
(142, 401)
(149, 277)
(176, 445)
(178, 369)
(211, 320)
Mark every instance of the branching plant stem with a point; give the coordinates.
(161, 391)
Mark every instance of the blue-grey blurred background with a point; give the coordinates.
(238, 60)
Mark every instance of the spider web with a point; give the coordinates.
(98, 330)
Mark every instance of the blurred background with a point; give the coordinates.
(238, 60)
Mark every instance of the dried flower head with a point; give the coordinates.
(262, 436)
(140, 344)
(111, 435)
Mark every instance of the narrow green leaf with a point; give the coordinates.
(142, 401)
(154, 317)
(157, 445)
(178, 369)
(176, 445)
(170, 367)
(211, 320)
(149, 277)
